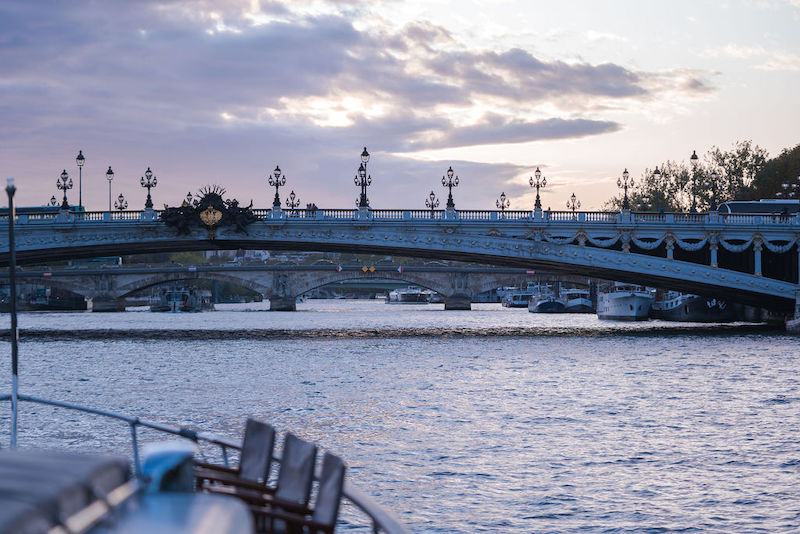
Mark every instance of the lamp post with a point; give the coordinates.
(189, 198)
(80, 160)
(502, 203)
(121, 203)
(450, 182)
(12, 300)
(540, 182)
(573, 203)
(363, 180)
(64, 182)
(432, 203)
(276, 180)
(292, 202)
(109, 177)
(148, 181)
(53, 201)
(624, 183)
(694, 160)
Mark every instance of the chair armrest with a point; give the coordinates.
(215, 467)
(232, 480)
(257, 498)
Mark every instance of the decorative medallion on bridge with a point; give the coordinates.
(210, 211)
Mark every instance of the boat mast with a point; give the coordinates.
(12, 280)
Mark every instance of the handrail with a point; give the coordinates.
(546, 216)
(382, 519)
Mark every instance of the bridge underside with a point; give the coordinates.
(654, 271)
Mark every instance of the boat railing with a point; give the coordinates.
(382, 519)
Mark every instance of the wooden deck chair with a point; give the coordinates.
(326, 507)
(295, 478)
(254, 462)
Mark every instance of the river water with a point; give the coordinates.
(490, 420)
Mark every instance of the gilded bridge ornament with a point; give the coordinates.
(210, 216)
(209, 211)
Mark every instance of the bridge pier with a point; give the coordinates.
(107, 303)
(282, 304)
(457, 302)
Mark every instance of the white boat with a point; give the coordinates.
(578, 300)
(517, 298)
(624, 302)
(409, 295)
(546, 299)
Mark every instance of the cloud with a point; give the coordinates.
(196, 77)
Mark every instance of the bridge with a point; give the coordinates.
(107, 288)
(751, 259)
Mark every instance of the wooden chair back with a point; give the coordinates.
(297, 470)
(329, 495)
(257, 445)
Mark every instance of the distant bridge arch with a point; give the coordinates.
(752, 259)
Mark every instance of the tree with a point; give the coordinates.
(783, 169)
(677, 184)
(736, 168)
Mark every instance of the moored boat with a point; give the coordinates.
(409, 295)
(577, 300)
(546, 299)
(182, 300)
(675, 306)
(516, 298)
(624, 302)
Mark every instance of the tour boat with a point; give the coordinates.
(578, 300)
(182, 300)
(675, 306)
(546, 299)
(409, 295)
(163, 487)
(624, 302)
(517, 298)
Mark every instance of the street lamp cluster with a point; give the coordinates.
(363, 180)
(790, 190)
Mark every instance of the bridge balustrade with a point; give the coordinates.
(464, 215)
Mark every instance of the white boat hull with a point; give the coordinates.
(624, 306)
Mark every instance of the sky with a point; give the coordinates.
(220, 92)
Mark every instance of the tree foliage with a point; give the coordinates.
(677, 184)
(783, 169)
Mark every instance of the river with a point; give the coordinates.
(490, 420)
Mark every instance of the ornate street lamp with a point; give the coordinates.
(189, 198)
(624, 183)
(292, 202)
(573, 203)
(450, 182)
(363, 180)
(53, 201)
(694, 160)
(148, 181)
(276, 180)
(63, 183)
(121, 203)
(540, 182)
(432, 203)
(80, 160)
(109, 177)
(502, 203)
(789, 191)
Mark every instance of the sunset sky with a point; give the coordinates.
(213, 92)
